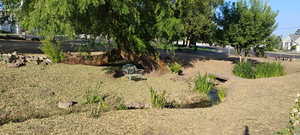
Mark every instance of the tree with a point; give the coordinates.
(245, 24)
(197, 19)
(6, 16)
(132, 23)
(297, 32)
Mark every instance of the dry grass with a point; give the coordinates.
(31, 94)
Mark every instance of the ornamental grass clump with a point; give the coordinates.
(158, 100)
(265, 70)
(244, 70)
(203, 84)
(260, 70)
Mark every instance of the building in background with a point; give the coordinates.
(292, 42)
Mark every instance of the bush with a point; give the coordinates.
(203, 84)
(53, 50)
(158, 100)
(265, 70)
(175, 67)
(244, 70)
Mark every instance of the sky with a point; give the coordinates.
(288, 18)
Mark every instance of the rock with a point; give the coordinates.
(129, 69)
(12, 65)
(17, 64)
(66, 105)
(137, 106)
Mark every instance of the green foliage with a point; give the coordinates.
(133, 24)
(244, 70)
(196, 19)
(158, 100)
(94, 95)
(265, 70)
(272, 43)
(245, 24)
(261, 70)
(53, 50)
(175, 67)
(221, 94)
(294, 120)
(294, 123)
(283, 132)
(203, 84)
(99, 109)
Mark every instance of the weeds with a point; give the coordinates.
(203, 84)
(53, 50)
(175, 67)
(103, 103)
(158, 100)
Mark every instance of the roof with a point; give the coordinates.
(294, 37)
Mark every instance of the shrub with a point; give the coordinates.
(175, 67)
(244, 70)
(265, 70)
(158, 100)
(203, 84)
(53, 50)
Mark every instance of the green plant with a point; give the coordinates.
(294, 123)
(121, 107)
(203, 84)
(221, 94)
(264, 70)
(158, 100)
(244, 70)
(53, 50)
(100, 108)
(175, 67)
(94, 95)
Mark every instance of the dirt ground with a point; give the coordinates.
(29, 95)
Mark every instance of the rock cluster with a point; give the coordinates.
(15, 60)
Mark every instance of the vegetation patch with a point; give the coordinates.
(53, 50)
(261, 70)
(293, 127)
(203, 84)
(175, 67)
(158, 100)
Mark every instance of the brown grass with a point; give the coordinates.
(29, 97)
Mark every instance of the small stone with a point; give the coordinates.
(65, 105)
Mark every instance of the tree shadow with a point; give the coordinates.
(186, 57)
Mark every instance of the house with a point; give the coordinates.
(291, 42)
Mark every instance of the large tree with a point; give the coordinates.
(245, 24)
(132, 23)
(197, 19)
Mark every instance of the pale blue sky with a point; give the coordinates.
(289, 15)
